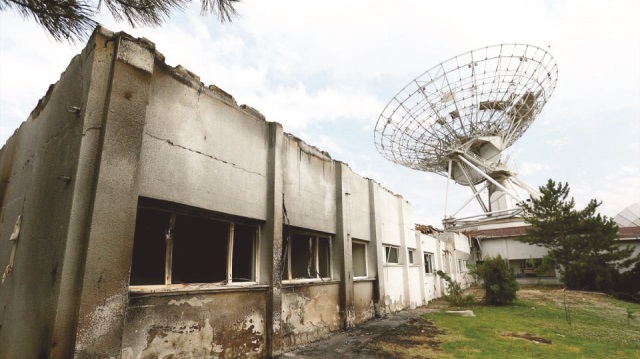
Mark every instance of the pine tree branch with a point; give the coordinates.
(69, 20)
(72, 20)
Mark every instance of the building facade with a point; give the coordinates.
(146, 215)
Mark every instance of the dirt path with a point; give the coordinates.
(403, 328)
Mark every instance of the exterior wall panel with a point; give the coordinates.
(196, 325)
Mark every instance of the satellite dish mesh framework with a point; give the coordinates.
(458, 117)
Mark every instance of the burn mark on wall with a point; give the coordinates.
(193, 339)
(214, 325)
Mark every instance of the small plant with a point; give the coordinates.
(567, 310)
(455, 296)
(498, 281)
(630, 317)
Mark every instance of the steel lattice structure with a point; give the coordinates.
(492, 91)
(457, 118)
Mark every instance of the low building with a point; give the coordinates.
(147, 215)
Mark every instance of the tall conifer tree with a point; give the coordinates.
(583, 244)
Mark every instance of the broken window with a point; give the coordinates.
(428, 263)
(308, 256)
(391, 255)
(410, 255)
(359, 258)
(178, 248)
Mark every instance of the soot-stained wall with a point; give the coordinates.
(123, 132)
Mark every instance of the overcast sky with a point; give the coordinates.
(326, 70)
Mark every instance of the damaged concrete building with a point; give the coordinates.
(145, 215)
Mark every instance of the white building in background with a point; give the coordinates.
(628, 221)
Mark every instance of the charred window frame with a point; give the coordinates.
(428, 263)
(359, 259)
(391, 255)
(308, 257)
(175, 247)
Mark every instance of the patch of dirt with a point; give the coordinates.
(418, 333)
(528, 336)
(405, 334)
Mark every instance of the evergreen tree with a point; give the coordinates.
(73, 19)
(582, 243)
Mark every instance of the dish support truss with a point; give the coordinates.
(502, 184)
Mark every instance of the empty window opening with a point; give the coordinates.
(308, 256)
(324, 257)
(148, 263)
(359, 258)
(410, 255)
(171, 248)
(199, 250)
(244, 253)
(391, 254)
(428, 263)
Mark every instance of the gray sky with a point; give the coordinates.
(326, 70)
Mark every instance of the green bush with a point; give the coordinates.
(498, 281)
(455, 296)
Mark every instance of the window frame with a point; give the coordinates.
(428, 260)
(462, 266)
(174, 211)
(287, 273)
(387, 252)
(366, 258)
(411, 257)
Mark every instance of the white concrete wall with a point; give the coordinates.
(431, 282)
(510, 248)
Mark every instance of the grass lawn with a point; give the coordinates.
(536, 326)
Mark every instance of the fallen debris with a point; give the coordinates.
(462, 313)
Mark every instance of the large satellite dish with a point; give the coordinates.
(458, 117)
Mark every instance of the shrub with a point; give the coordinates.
(455, 296)
(498, 281)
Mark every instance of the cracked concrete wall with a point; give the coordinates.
(309, 312)
(202, 151)
(196, 325)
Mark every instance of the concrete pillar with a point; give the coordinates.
(272, 240)
(377, 252)
(342, 254)
(420, 260)
(112, 216)
(403, 253)
(99, 59)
